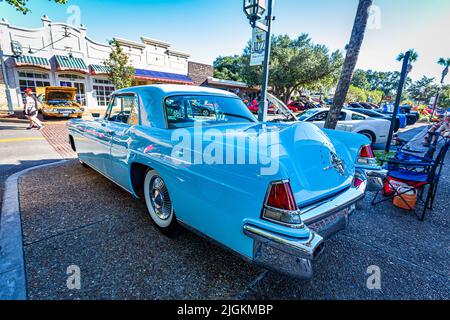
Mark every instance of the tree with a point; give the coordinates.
(444, 98)
(295, 64)
(353, 49)
(360, 80)
(21, 5)
(445, 62)
(423, 90)
(386, 82)
(228, 68)
(121, 73)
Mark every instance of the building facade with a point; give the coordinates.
(58, 54)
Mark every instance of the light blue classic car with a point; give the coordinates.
(271, 192)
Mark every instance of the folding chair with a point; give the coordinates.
(417, 175)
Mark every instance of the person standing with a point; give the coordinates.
(31, 110)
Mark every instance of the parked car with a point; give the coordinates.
(376, 130)
(377, 115)
(296, 106)
(357, 105)
(254, 108)
(60, 102)
(278, 219)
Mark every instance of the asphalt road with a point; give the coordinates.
(21, 149)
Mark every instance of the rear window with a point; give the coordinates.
(185, 111)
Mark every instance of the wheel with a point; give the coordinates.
(205, 113)
(370, 135)
(159, 205)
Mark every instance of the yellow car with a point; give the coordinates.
(60, 102)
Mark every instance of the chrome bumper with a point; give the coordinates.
(287, 255)
(375, 179)
(294, 256)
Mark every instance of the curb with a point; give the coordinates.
(12, 266)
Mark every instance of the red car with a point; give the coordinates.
(296, 106)
(255, 107)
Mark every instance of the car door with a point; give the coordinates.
(320, 118)
(345, 122)
(123, 116)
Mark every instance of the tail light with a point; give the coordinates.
(280, 205)
(366, 156)
(358, 181)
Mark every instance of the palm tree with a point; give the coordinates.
(351, 58)
(445, 62)
(413, 57)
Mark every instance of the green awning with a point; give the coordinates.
(30, 61)
(65, 63)
(100, 69)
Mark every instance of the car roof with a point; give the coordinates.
(174, 89)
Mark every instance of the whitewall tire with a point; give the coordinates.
(159, 204)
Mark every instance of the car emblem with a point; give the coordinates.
(336, 163)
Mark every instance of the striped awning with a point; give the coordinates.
(30, 61)
(99, 69)
(162, 77)
(65, 63)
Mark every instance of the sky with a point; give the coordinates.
(209, 28)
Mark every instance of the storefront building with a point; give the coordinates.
(202, 75)
(58, 54)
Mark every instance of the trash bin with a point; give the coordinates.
(403, 120)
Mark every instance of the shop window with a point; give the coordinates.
(102, 91)
(32, 80)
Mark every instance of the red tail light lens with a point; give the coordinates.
(280, 205)
(366, 152)
(366, 156)
(281, 197)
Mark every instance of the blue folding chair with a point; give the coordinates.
(418, 173)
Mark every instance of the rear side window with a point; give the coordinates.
(185, 111)
(357, 117)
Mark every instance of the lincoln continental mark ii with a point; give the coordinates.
(271, 192)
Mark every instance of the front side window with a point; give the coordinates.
(185, 111)
(123, 109)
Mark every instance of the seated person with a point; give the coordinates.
(441, 129)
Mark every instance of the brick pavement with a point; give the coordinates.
(57, 136)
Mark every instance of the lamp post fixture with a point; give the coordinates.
(255, 10)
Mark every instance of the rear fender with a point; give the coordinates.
(347, 142)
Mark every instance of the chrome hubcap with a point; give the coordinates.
(160, 200)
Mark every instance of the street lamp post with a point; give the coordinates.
(406, 68)
(254, 10)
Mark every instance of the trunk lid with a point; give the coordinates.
(304, 154)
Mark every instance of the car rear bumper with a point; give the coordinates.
(295, 256)
(61, 114)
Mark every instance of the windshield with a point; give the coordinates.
(185, 111)
(308, 114)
